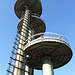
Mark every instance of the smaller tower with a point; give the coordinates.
(48, 52)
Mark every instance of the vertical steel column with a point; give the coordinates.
(47, 66)
(19, 66)
(31, 71)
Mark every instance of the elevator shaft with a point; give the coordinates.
(22, 68)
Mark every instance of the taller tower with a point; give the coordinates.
(32, 49)
(28, 11)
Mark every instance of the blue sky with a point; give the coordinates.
(59, 17)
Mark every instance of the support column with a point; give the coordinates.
(19, 65)
(47, 66)
(31, 71)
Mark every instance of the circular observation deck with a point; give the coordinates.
(33, 5)
(52, 45)
(37, 25)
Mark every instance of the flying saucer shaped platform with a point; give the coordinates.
(36, 23)
(54, 47)
(33, 5)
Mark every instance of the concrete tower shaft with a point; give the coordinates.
(47, 66)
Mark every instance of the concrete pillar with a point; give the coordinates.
(47, 66)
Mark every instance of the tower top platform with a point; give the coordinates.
(33, 5)
(54, 47)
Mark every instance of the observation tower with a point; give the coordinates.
(33, 47)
